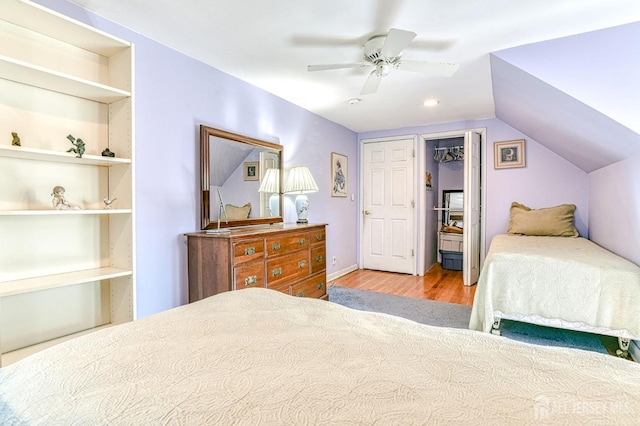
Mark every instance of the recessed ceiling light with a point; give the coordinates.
(431, 102)
(354, 101)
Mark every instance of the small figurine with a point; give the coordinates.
(108, 153)
(16, 139)
(108, 202)
(78, 146)
(60, 202)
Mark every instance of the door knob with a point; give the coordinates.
(366, 212)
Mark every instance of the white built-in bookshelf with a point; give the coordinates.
(63, 273)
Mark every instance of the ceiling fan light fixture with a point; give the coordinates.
(382, 69)
(431, 102)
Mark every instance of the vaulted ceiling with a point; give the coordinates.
(510, 66)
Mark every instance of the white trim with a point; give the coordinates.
(342, 272)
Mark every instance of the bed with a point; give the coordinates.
(569, 283)
(257, 356)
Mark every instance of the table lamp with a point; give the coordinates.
(271, 185)
(299, 181)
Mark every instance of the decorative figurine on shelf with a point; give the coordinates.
(108, 153)
(78, 146)
(16, 139)
(60, 202)
(108, 202)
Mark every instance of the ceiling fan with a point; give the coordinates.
(384, 52)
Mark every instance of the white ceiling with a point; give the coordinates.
(269, 44)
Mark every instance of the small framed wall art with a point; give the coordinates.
(508, 154)
(252, 170)
(339, 173)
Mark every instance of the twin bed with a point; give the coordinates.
(257, 356)
(541, 272)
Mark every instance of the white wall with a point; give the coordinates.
(614, 208)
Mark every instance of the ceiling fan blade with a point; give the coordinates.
(396, 41)
(372, 84)
(441, 69)
(334, 66)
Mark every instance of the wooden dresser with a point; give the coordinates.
(289, 258)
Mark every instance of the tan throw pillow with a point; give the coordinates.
(237, 213)
(552, 221)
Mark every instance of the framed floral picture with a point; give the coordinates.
(339, 173)
(252, 170)
(508, 154)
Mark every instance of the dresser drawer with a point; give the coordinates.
(315, 286)
(286, 243)
(318, 259)
(317, 237)
(287, 268)
(249, 275)
(246, 251)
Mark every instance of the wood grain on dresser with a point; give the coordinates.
(289, 258)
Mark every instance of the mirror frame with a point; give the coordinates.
(205, 178)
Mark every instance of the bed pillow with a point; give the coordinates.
(237, 213)
(551, 221)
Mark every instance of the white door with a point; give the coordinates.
(388, 240)
(471, 219)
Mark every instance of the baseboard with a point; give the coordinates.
(341, 272)
(634, 350)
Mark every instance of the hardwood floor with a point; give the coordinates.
(437, 284)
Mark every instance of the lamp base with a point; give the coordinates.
(302, 208)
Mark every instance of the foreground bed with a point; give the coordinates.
(559, 282)
(257, 356)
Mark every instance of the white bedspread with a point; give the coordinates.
(557, 281)
(257, 356)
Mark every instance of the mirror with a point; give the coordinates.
(453, 203)
(241, 180)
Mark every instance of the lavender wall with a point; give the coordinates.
(174, 95)
(547, 180)
(614, 208)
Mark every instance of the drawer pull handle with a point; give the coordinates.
(319, 258)
(320, 285)
(276, 272)
(302, 264)
(249, 250)
(251, 280)
(301, 241)
(276, 246)
(300, 294)
(319, 237)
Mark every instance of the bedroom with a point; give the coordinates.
(594, 177)
(167, 207)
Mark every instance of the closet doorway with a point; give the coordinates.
(452, 162)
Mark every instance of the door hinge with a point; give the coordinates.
(413, 253)
(413, 153)
(413, 204)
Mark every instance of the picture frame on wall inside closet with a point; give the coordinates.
(509, 154)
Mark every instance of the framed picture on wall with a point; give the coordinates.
(508, 154)
(252, 170)
(339, 173)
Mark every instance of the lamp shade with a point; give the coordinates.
(270, 182)
(300, 181)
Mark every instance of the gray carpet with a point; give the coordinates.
(443, 314)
